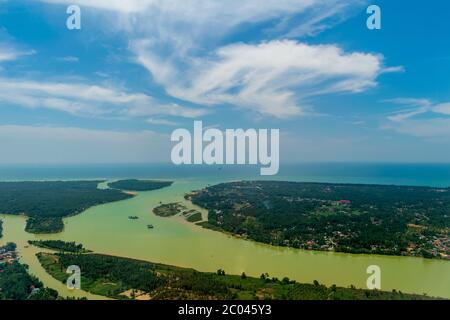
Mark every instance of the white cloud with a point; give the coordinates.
(162, 122)
(172, 109)
(128, 6)
(200, 12)
(411, 102)
(443, 108)
(268, 78)
(182, 27)
(404, 115)
(180, 43)
(185, 24)
(68, 59)
(8, 53)
(86, 100)
(41, 144)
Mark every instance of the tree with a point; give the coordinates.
(221, 272)
(285, 280)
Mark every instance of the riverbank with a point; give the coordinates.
(121, 278)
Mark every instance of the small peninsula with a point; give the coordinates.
(139, 185)
(59, 245)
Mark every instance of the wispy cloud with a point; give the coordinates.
(423, 118)
(425, 128)
(182, 43)
(162, 122)
(410, 102)
(226, 13)
(9, 53)
(270, 78)
(442, 108)
(68, 59)
(87, 100)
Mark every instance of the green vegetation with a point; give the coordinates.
(44, 225)
(173, 209)
(139, 185)
(127, 279)
(45, 203)
(17, 284)
(1, 229)
(59, 246)
(9, 247)
(392, 220)
(194, 217)
(169, 210)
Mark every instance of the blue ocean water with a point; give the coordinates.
(399, 174)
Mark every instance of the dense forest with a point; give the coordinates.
(44, 225)
(59, 246)
(123, 278)
(45, 203)
(139, 185)
(394, 220)
(17, 284)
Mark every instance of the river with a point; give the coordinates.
(106, 229)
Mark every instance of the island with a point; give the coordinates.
(45, 203)
(123, 278)
(373, 219)
(169, 210)
(139, 185)
(173, 209)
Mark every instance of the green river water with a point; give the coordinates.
(107, 229)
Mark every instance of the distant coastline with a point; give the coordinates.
(414, 174)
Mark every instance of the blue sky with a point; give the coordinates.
(115, 90)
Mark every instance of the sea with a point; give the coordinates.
(435, 175)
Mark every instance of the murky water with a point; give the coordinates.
(107, 229)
